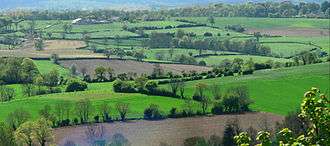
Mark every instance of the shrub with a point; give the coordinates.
(76, 85)
(208, 34)
(236, 100)
(202, 63)
(153, 113)
(6, 93)
(217, 109)
(151, 85)
(122, 86)
(173, 113)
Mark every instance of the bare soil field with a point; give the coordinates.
(64, 48)
(126, 66)
(170, 131)
(291, 32)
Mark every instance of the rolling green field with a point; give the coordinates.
(97, 93)
(265, 22)
(199, 31)
(287, 49)
(152, 53)
(319, 41)
(45, 66)
(216, 60)
(268, 88)
(277, 91)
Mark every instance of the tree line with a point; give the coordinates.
(249, 9)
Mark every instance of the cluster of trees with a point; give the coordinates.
(17, 70)
(249, 9)
(310, 126)
(184, 40)
(237, 66)
(28, 133)
(139, 55)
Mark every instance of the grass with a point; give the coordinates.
(216, 60)
(199, 31)
(288, 49)
(97, 93)
(265, 23)
(45, 66)
(277, 91)
(152, 53)
(155, 23)
(319, 41)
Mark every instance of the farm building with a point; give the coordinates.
(86, 21)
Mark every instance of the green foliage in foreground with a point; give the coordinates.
(315, 110)
(276, 91)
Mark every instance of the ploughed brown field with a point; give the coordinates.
(170, 131)
(311, 32)
(127, 66)
(64, 48)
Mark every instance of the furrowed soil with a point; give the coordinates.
(170, 131)
(126, 66)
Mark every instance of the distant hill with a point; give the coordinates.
(113, 4)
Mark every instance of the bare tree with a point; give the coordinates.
(182, 89)
(94, 133)
(216, 91)
(84, 109)
(122, 109)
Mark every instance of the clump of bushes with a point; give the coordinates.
(76, 85)
(236, 100)
(153, 113)
(124, 86)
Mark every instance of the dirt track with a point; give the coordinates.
(171, 131)
(126, 66)
(291, 32)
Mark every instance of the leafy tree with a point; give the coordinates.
(54, 58)
(28, 70)
(51, 79)
(43, 133)
(6, 136)
(111, 73)
(24, 133)
(39, 44)
(140, 82)
(28, 89)
(122, 109)
(120, 53)
(76, 85)
(100, 73)
(151, 85)
(6, 93)
(139, 55)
